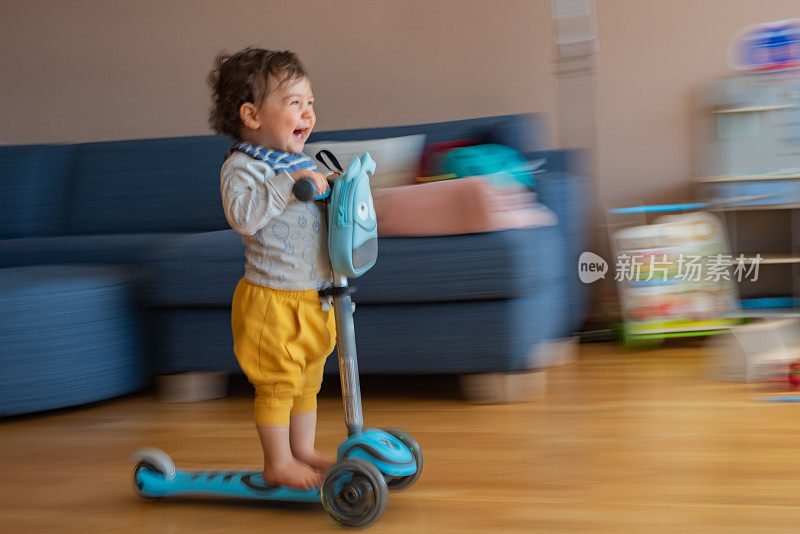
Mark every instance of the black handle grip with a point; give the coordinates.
(305, 189)
(331, 158)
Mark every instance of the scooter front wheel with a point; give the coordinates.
(354, 493)
(399, 483)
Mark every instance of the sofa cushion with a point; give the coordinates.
(147, 185)
(453, 337)
(110, 249)
(458, 337)
(203, 269)
(195, 269)
(33, 189)
(491, 265)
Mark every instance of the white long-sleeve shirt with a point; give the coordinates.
(286, 240)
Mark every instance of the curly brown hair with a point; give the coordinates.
(247, 76)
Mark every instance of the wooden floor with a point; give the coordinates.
(624, 442)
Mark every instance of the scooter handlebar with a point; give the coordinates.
(305, 189)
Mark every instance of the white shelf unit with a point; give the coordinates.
(768, 231)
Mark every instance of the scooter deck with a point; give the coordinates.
(237, 484)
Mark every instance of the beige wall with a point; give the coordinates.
(85, 70)
(654, 56)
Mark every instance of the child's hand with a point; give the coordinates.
(332, 178)
(322, 183)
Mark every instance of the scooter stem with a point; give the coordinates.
(348, 362)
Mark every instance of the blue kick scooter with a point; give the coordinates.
(370, 462)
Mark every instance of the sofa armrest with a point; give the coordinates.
(568, 196)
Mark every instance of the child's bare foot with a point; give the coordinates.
(316, 460)
(294, 474)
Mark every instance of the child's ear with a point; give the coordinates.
(249, 116)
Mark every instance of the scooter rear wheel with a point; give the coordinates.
(136, 488)
(399, 483)
(354, 493)
(154, 460)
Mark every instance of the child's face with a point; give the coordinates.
(286, 117)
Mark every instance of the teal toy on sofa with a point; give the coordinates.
(502, 165)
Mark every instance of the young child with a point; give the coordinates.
(281, 334)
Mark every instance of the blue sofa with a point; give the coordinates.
(458, 304)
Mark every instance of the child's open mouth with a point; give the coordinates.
(299, 133)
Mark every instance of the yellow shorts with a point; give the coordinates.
(281, 339)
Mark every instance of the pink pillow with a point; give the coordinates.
(464, 206)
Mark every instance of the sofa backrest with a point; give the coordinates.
(172, 184)
(147, 185)
(34, 182)
(523, 132)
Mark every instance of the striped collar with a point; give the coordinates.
(279, 161)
